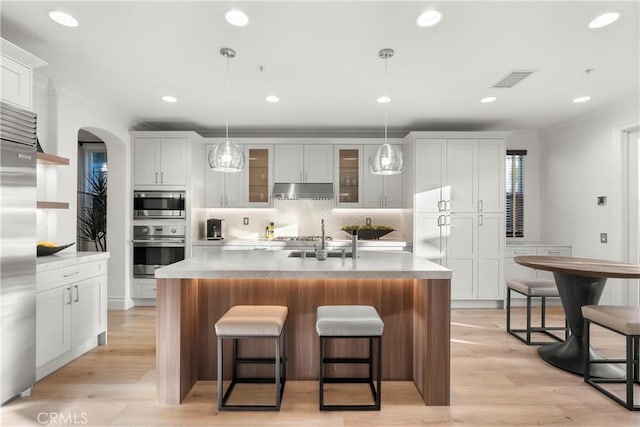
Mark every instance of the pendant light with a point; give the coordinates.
(226, 156)
(387, 159)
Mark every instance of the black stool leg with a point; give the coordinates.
(321, 372)
(586, 344)
(528, 320)
(277, 373)
(219, 373)
(543, 312)
(508, 309)
(379, 390)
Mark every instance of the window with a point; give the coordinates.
(515, 192)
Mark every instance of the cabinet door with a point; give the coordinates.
(429, 239)
(392, 191)
(289, 163)
(53, 324)
(372, 190)
(318, 163)
(491, 242)
(213, 185)
(234, 190)
(173, 168)
(146, 161)
(461, 256)
(350, 183)
(16, 83)
(86, 310)
(429, 169)
(491, 164)
(461, 174)
(259, 175)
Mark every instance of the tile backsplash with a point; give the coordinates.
(297, 217)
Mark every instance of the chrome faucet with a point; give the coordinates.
(321, 254)
(354, 244)
(322, 231)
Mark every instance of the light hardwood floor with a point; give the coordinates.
(495, 380)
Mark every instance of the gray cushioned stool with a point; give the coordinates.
(534, 288)
(253, 321)
(350, 321)
(624, 321)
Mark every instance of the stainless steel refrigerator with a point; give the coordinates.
(17, 251)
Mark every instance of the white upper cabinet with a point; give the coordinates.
(380, 191)
(16, 75)
(258, 175)
(459, 175)
(160, 161)
(491, 172)
(303, 163)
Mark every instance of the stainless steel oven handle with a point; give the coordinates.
(159, 244)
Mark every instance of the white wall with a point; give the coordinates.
(580, 160)
(63, 112)
(529, 140)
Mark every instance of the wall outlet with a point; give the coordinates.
(602, 200)
(245, 221)
(367, 221)
(603, 237)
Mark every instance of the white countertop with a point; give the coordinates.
(50, 262)
(276, 264)
(281, 244)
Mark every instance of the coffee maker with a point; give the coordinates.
(214, 229)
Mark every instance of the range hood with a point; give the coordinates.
(297, 190)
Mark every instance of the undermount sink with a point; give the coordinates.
(312, 254)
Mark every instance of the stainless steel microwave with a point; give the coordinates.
(158, 205)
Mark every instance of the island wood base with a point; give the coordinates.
(415, 343)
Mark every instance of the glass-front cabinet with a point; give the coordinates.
(348, 180)
(259, 174)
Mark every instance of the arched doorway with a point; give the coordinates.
(92, 193)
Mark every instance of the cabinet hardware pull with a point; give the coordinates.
(77, 293)
(162, 177)
(301, 176)
(440, 205)
(480, 205)
(440, 223)
(555, 252)
(380, 201)
(480, 219)
(69, 302)
(156, 177)
(447, 220)
(385, 201)
(221, 200)
(75, 273)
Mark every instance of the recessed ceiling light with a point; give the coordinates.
(581, 99)
(488, 99)
(429, 18)
(272, 98)
(237, 18)
(604, 20)
(168, 98)
(63, 18)
(384, 100)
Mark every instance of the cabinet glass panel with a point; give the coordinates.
(349, 173)
(258, 175)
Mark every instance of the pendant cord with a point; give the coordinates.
(227, 102)
(386, 80)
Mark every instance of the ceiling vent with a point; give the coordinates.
(513, 77)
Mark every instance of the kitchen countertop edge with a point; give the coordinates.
(50, 262)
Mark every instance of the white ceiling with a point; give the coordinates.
(321, 59)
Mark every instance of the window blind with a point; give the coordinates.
(515, 192)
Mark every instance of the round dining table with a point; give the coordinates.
(580, 281)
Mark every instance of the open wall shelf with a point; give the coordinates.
(51, 159)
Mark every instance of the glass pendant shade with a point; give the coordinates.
(226, 156)
(386, 160)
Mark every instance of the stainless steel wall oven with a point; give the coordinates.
(158, 205)
(155, 246)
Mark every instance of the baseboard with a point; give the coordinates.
(119, 303)
(144, 302)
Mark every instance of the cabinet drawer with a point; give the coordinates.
(520, 251)
(74, 273)
(144, 289)
(554, 251)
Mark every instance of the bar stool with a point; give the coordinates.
(624, 321)
(249, 322)
(349, 322)
(534, 288)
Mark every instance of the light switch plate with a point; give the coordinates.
(367, 221)
(245, 221)
(603, 237)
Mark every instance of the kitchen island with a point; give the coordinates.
(412, 295)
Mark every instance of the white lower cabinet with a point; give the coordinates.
(471, 246)
(513, 270)
(71, 313)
